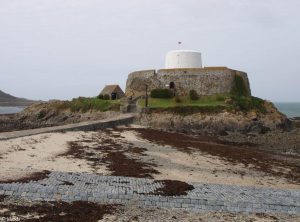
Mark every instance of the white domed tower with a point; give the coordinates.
(183, 59)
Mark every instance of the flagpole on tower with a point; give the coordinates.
(179, 43)
(178, 55)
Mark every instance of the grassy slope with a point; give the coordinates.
(211, 101)
(87, 104)
(215, 103)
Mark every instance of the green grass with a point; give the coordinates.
(204, 101)
(211, 104)
(83, 104)
(248, 103)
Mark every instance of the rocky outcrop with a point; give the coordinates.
(296, 122)
(217, 123)
(48, 114)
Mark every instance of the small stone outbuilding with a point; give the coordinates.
(114, 92)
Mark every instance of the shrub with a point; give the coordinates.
(239, 87)
(193, 95)
(162, 93)
(106, 97)
(41, 114)
(86, 104)
(220, 98)
(60, 105)
(178, 99)
(100, 96)
(248, 103)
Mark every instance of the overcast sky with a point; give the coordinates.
(61, 49)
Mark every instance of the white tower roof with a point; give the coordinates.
(183, 59)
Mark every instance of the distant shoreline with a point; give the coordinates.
(17, 104)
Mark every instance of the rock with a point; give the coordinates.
(222, 133)
(218, 123)
(47, 115)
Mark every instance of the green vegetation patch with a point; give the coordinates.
(206, 104)
(212, 101)
(193, 95)
(100, 96)
(86, 104)
(248, 103)
(239, 87)
(186, 106)
(83, 104)
(162, 93)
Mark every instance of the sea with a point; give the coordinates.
(288, 108)
(11, 109)
(291, 109)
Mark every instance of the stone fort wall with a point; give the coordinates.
(206, 81)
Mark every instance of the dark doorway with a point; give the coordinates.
(113, 96)
(172, 85)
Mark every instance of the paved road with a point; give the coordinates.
(111, 189)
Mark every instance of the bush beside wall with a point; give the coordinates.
(239, 87)
(193, 95)
(162, 93)
(106, 97)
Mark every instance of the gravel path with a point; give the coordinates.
(112, 189)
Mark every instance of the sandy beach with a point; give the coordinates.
(143, 153)
(23, 156)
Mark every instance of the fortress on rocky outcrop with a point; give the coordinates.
(184, 72)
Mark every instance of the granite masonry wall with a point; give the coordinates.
(206, 81)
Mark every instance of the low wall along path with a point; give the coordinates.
(123, 119)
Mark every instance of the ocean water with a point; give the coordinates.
(10, 110)
(289, 109)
